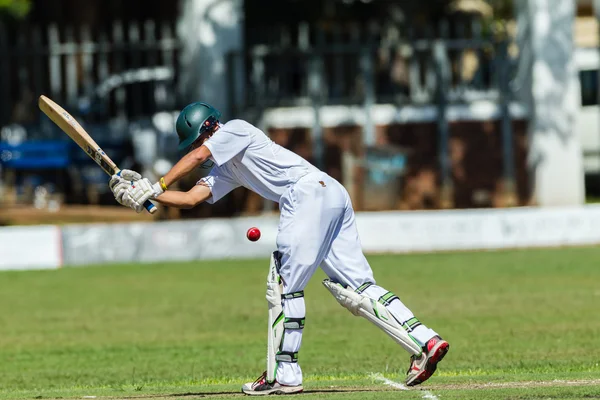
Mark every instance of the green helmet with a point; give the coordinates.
(194, 120)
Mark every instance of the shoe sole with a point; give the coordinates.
(278, 391)
(431, 366)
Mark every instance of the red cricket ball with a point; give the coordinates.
(253, 234)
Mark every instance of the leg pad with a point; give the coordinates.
(278, 322)
(374, 311)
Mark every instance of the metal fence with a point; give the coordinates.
(129, 71)
(126, 70)
(116, 81)
(456, 64)
(341, 65)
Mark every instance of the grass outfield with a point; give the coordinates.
(522, 325)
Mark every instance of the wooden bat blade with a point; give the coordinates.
(75, 131)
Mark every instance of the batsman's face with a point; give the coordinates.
(201, 139)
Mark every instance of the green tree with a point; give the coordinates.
(15, 8)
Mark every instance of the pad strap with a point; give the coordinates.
(411, 324)
(287, 356)
(387, 298)
(293, 295)
(363, 287)
(294, 323)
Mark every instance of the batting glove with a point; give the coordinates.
(120, 183)
(138, 192)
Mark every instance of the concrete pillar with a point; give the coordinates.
(550, 86)
(209, 30)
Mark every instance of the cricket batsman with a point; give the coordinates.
(316, 228)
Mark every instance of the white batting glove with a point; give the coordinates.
(130, 175)
(125, 175)
(119, 191)
(120, 183)
(138, 192)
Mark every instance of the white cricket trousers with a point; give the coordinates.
(317, 228)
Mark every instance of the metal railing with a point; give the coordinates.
(425, 72)
(124, 71)
(347, 73)
(116, 81)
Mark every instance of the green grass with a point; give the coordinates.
(200, 328)
(592, 199)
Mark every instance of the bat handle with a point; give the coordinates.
(151, 208)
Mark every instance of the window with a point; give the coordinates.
(589, 87)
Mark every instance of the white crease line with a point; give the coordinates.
(386, 381)
(379, 377)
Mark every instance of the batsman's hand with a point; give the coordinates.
(120, 183)
(138, 192)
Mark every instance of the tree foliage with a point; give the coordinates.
(15, 8)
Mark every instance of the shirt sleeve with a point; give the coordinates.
(219, 182)
(226, 143)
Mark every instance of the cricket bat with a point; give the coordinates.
(71, 127)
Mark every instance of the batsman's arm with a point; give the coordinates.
(189, 199)
(187, 164)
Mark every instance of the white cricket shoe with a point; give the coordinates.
(261, 387)
(422, 367)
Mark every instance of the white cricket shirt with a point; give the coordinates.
(245, 156)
